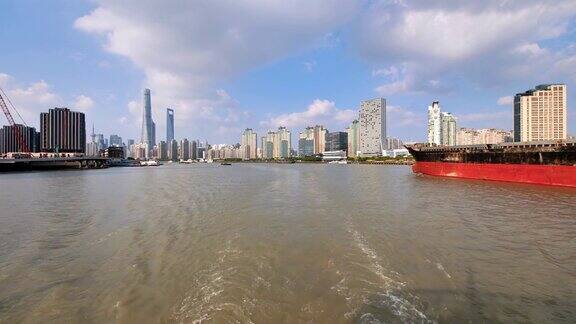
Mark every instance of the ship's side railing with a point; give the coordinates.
(440, 148)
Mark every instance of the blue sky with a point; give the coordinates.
(226, 65)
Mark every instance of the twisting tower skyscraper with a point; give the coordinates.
(148, 126)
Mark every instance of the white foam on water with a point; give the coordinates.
(368, 318)
(441, 268)
(199, 304)
(399, 306)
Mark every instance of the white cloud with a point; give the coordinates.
(83, 103)
(185, 48)
(399, 116)
(395, 87)
(29, 100)
(320, 111)
(391, 71)
(438, 40)
(346, 115)
(505, 101)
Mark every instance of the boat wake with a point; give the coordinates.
(391, 298)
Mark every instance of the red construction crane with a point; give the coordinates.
(18, 133)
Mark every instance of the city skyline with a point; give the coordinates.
(320, 74)
(543, 108)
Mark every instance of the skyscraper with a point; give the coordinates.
(449, 129)
(9, 139)
(336, 141)
(320, 139)
(372, 127)
(248, 144)
(148, 126)
(194, 149)
(173, 150)
(169, 125)
(184, 149)
(268, 145)
(442, 126)
(153, 133)
(282, 143)
(353, 139)
(162, 151)
(312, 141)
(540, 114)
(434, 124)
(62, 130)
(277, 145)
(306, 142)
(115, 140)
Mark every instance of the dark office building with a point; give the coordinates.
(194, 150)
(114, 152)
(336, 141)
(62, 130)
(9, 141)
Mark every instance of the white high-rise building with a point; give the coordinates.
(248, 144)
(372, 127)
(268, 145)
(442, 126)
(434, 124)
(353, 139)
(449, 129)
(540, 114)
(277, 145)
(282, 143)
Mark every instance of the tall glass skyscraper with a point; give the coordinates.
(169, 125)
(148, 126)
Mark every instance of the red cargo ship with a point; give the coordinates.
(544, 163)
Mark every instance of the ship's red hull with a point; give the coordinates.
(554, 175)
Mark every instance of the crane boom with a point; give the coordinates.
(18, 133)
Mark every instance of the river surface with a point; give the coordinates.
(267, 243)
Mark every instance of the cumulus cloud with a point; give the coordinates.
(188, 49)
(320, 111)
(83, 103)
(30, 99)
(184, 48)
(399, 116)
(437, 40)
(400, 86)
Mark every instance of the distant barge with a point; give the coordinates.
(544, 163)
